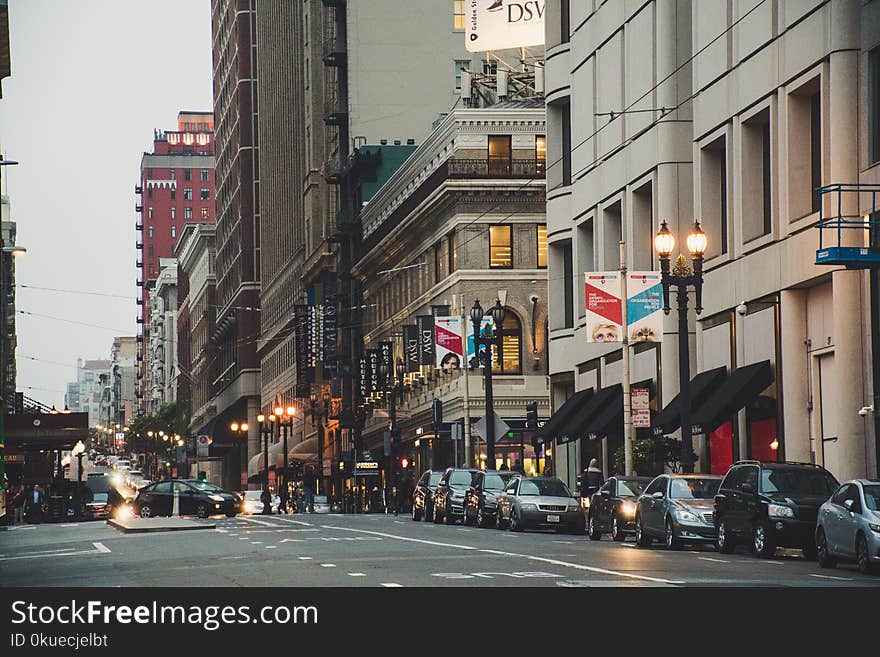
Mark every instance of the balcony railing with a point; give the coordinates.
(496, 168)
(138, 189)
(138, 226)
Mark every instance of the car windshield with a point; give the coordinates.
(546, 487)
(434, 479)
(872, 496)
(320, 499)
(629, 487)
(100, 484)
(205, 486)
(252, 494)
(797, 481)
(461, 478)
(101, 497)
(495, 481)
(694, 489)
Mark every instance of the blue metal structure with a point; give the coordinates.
(832, 247)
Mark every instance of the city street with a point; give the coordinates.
(376, 551)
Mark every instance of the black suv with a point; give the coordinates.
(771, 505)
(422, 502)
(449, 496)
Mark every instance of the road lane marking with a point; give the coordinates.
(305, 558)
(66, 552)
(101, 548)
(260, 522)
(357, 574)
(328, 565)
(842, 579)
(392, 585)
(556, 562)
(710, 559)
(564, 542)
(271, 547)
(256, 542)
(282, 519)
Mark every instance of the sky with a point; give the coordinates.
(90, 81)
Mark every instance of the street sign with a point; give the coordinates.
(641, 407)
(501, 427)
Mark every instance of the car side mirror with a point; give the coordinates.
(658, 495)
(851, 506)
(748, 488)
(605, 493)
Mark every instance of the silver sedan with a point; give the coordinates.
(848, 527)
(544, 502)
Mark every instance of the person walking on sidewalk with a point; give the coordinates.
(309, 490)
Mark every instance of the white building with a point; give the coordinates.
(162, 353)
(745, 109)
(84, 396)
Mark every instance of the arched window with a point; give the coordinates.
(509, 359)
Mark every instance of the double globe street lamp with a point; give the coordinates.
(486, 339)
(265, 432)
(681, 277)
(283, 427)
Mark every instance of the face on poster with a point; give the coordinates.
(644, 306)
(502, 24)
(447, 337)
(603, 305)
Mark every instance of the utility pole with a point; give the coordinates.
(627, 411)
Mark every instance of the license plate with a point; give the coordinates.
(552, 518)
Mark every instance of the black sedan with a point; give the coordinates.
(481, 499)
(613, 508)
(423, 494)
(449, 496)
(195, 497)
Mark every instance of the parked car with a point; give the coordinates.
(195, 497)
(321, 504)
(848, 527)
(448, 498)
(481, 499)
(613, 507)
(422, 498)
(677, 509)
(539, 502)
(251, 503)
(770, 505)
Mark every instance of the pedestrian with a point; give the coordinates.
(33, 505)
(591, 479)
(266, 499)
(309, 490)
(284, 495)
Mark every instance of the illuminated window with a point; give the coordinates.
(540, 154)
(173, 214)
(458, 15)
(500, 247)
(204, 213)
(150, 231)
(453, 256)
(508, 360)
(174, 231)
(542, 245)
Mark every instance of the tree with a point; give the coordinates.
(651, 455)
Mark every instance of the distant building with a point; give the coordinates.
(123, 371)
(7, 295)
(84, 395)
(162, 369)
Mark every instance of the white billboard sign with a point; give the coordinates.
(644, 306)
(502, 24)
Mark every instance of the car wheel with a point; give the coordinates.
(593, 529)
(415, 514)
(616, 530)
(429, 513)
(672, 541)
(825, 560)
(862, 556)
(724, 540)
(202, 510)
(642, 538)
(500, 524)
(230, 514)
(514, 525)
(437, 518)
(761, 545)
(145, 512)
(447, 515)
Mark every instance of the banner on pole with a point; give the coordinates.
(603, 305)
(425, 324)
(485, 324)
(644, 306)
(447, 338)
(411, 347)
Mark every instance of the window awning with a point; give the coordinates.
(702, 385)
(742, 386)
(564, 413)
(306, 450)
(608, 419)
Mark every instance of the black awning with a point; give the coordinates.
(608, 420)
(742, 386)
(564, 413)
(702, 385)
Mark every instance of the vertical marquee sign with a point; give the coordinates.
(386, 360)
(329, 327)
(425, 324)
(411, 347)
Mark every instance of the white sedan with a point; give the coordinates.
(253, 505)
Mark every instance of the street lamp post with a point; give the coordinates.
(265, 431)
(284, 426)
(486, 341)
(681, 277)
(240, 430)
(320, 408)
(395, 389)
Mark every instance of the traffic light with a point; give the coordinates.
(532, 415)
(437, 412)
(404, 463)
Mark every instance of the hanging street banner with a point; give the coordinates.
(373, 370)
(448, 340)
(485, 324)
(425, 324)
(364, 377)
(304, 373)
(328, 328)
(386, 360)
(644, 306)
(603, 305)
(411, 347)
(502, 24)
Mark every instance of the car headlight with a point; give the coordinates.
(780, 511)
(686, 516)
(874, 528)
(528, 507)
(628, 509)
(216, 498)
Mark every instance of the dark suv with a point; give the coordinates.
(422, 500)
(449, 496)
(771, 505)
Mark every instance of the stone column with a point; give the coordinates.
(793, 374)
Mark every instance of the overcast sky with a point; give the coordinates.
(90, 80)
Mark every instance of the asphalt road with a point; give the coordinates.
(377, 550)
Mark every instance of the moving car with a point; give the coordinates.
(422, 498)
(769, 505)
(848, 527)
(613, 507)
(677, 508)
(448, 498)
(540, 502)
(101, 496)
(196, 497)
(481, 499)
(252, 505)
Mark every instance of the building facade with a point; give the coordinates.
(84, 396)
(744, 119)
(162, 368)
(7, 293)
(123, 372)
(176, 187)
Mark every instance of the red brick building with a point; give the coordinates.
(176, 187)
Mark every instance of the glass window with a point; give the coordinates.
(150, 231)
(150, 212)
(163, 488)
(507, 361)
(629, 487)
(501, 247)
(606, 488)
(461, 478)
(872, 496)
(656, 486)
(840, 495)
(453, 259)
(495, 481)
(499, 155)
(458, 20)
(874, 105)
(853, 495)
(172, 174)
(173, 213)
(540, 155)
(187, 174)
(694, 489)
(204, 175)
(204, 213)
(434, 479)
(542, 246)
(749, 476)
(187, 213)
(547, 487)
(204, 194)
(460, 65)
(174, 231)
(187, 194)
(173, 194)
(797, 481)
